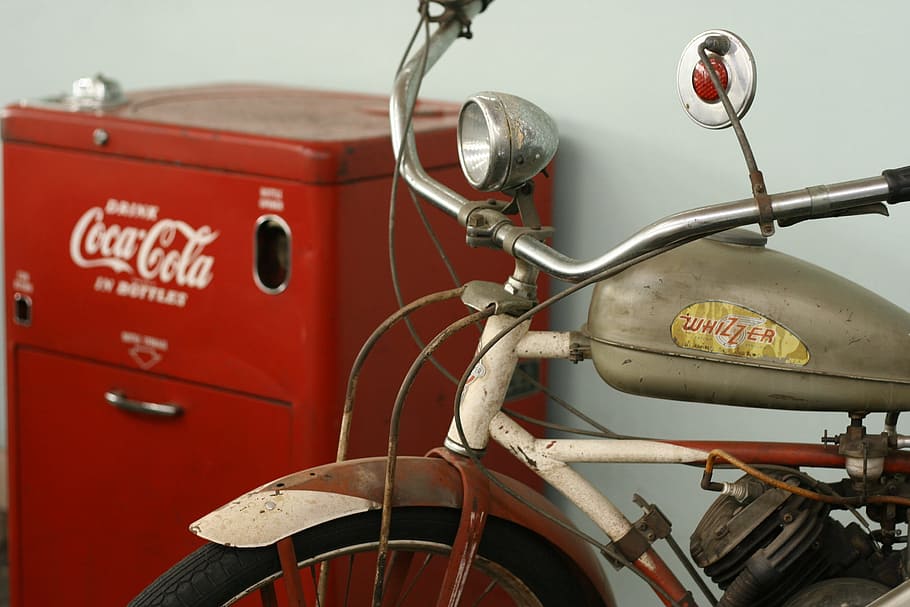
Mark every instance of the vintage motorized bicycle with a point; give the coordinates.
(391, 529)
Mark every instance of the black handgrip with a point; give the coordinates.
(876, 208)
(898, 184)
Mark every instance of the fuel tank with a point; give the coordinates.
(727, 320)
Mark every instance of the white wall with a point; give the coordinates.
(831, 106)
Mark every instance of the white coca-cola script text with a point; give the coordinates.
(153, 253)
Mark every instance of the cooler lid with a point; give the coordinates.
(305, 135)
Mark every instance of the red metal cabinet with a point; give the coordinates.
(146, 245)
(101, 490)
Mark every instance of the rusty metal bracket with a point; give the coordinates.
(631, 546)
(475, 507)
(763, 200)
(652, 526)
(481, 294)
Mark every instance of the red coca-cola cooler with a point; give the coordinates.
(189, 275)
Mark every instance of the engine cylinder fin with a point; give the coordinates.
(771, 546)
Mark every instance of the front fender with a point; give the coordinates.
(317, 495)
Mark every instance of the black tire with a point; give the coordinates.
(526, 568)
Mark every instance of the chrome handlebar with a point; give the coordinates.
(665, 234)
(404, 96)
(686, 226)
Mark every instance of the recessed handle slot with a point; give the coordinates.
(272, 254)
(22, 310)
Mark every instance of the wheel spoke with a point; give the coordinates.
(323, 583)
(395, 578)
(347, 587)
(415, 579)
(315, 579)
(485, 593)
(267, 596)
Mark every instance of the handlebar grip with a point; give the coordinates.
(898, 184)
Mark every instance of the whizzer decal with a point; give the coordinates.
(726, 328)
(165, 253)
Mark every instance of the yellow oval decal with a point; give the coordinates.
(724, 328)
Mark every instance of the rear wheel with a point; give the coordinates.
(514, 567)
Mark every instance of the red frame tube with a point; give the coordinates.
(790, 454)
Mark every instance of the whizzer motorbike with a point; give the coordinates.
(391, 530)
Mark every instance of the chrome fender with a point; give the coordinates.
(310, 497)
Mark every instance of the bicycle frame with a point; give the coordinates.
(481, 419)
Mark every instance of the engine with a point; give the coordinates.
(768, 545)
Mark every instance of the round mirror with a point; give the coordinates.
(735, 70)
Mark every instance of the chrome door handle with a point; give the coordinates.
(119, 400)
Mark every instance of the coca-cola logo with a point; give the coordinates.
(167, 251)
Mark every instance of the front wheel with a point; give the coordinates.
(514, 567)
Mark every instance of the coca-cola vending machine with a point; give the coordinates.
(189, 274)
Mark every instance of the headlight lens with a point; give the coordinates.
(475, 147)
(504, 141)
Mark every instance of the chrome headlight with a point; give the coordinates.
(503, 141)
